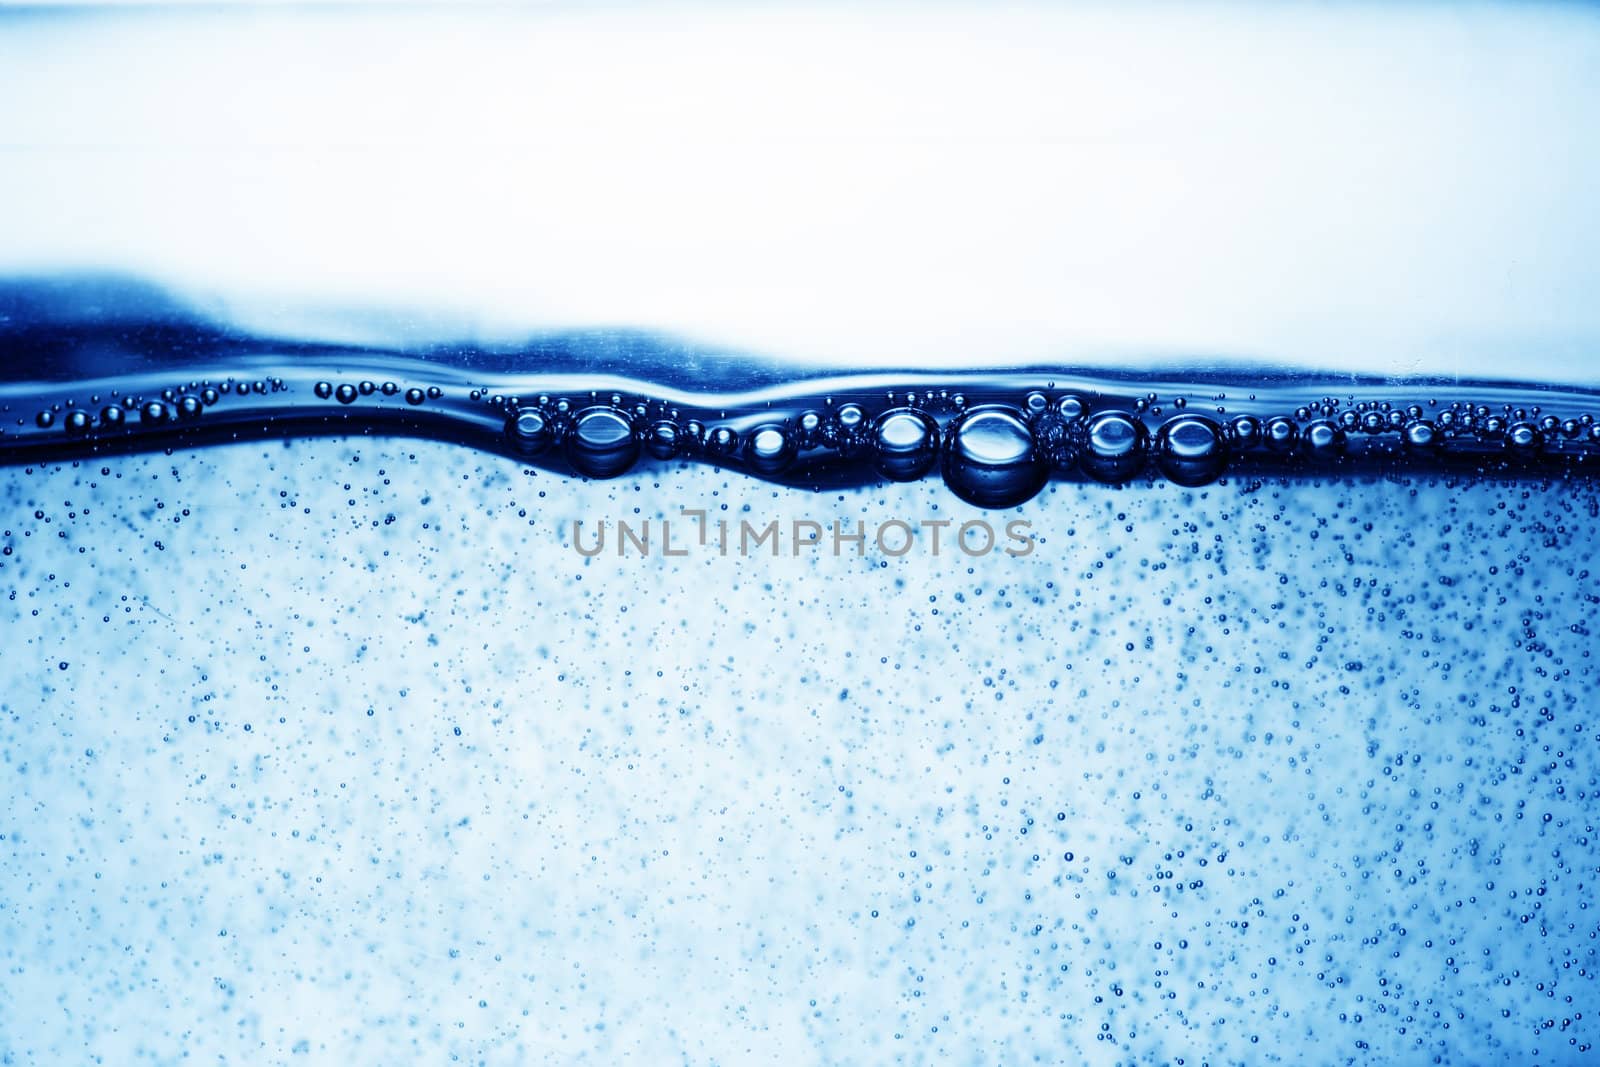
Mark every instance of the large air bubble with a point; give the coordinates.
(601, 443)
(991, 459)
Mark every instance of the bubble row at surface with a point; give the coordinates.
(346, 393)
(996, 444)
(119, 410)
(999, 454)
(126, 409)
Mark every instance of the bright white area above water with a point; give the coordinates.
(1404, 189)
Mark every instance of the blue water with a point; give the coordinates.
(339, 746)
(800, 533)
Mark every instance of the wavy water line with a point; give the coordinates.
(996, 438)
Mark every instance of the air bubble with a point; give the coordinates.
(769, 449)
(1114, 446)
(905, 444)
(345, 394)
(663, 441)
(849, 432)
(1071, 408)
(1190, 449)
(810, 428)
(601, 443)
(1524, 437)
(991, 460)
(1280, 434)
(530, 431)
(1421, 434)
(1323, 439)
(1246, 431)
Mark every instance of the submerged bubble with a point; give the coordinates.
(345, 394)
(601, 443)
(414, 396)
(905, 444)
(1114, 446)
(991, 459)
(76, 422)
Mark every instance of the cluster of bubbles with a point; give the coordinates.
(999, 454)
(119, 410)
(346, 393)
(605, 438)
